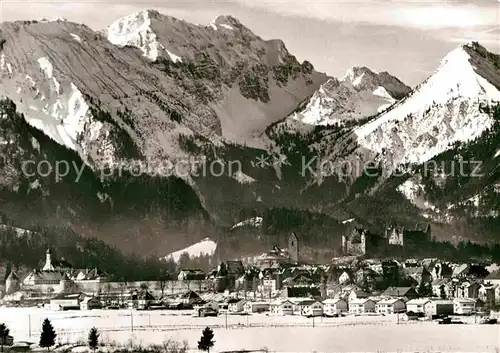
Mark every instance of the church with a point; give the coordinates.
(58, 276)
(277, 256)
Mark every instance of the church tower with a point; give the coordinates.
(293, 247)
(48, 261)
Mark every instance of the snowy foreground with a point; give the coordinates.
(278, 334)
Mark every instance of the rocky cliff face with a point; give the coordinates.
(360, 94)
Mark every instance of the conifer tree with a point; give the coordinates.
(93, 339)
(4, 334)
(207, 340)
(48, 335)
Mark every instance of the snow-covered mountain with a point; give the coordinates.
(131, 90)
(445, 109)
(151, 88)
(361, 93)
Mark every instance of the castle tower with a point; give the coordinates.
(12, 283)
(293, 247)
(48, 261)
(65, 284)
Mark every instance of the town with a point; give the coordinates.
(279, 284)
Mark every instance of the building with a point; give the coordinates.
(419, 274)
(255, 307)
(89, 303)
(487, 293)
(58, 276)
(310, 307)
(442, 288)
(65, 301)
(141, 300)
(362, 306)
(467, 289)
(464, 306)
(493, 278)
(271, 282)
(235, 305)
(390, 306)
(418, 305)
(400, 292)
(191, 275)
(334, 307)
(281, 307)
(190, 298)
(293, 247)
(356, 242)
(356, 293)
(12, 283)
(439, 307)
(408, 238)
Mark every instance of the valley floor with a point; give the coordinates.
(276, 333)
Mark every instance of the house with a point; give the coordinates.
(357, 294)
(65, 301)
(209, 308)
(493, 278)
(274, 258)
(418, 305)
(467, 289)
(190, 298)
(281, 307)
(255, 307)
(487, 293)
(437, 269)
(302, 291)
(439, 307)
(191, 275)
(235, 305)
(464, 306)
(390, 306)
(310, 307)
(300, 280)
(400, 292)
(418, 274)
(141, 299)
(442, 288)
(361, 306)
(270, 282)
(338, 275)
(89, 303)
(334, 307)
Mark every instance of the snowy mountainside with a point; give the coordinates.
(202, 248)
(246, 74)
(88, 90)
(445, 109)
(360, 94)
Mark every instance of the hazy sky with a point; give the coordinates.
(407, 38)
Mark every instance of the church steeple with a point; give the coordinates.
(48, 261)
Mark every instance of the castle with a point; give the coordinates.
(361, 242)
(399, 236)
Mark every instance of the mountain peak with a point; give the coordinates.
(356, 74)
(135, 30)
(225, 21)
(443, 110)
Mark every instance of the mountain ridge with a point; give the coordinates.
(219, 94)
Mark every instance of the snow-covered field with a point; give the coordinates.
(280, 334)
